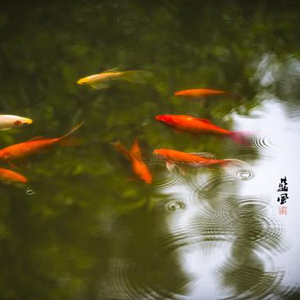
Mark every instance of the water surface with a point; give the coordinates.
(84, 227)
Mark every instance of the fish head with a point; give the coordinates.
(22, 122)
(166, 119)
(82, 81)
(19, 178)
(179, 93)
(89, 80)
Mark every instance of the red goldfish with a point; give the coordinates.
(33, 146)
(135, 157)
(11, 176)
(193, 93)
(177, 158)
(194, 125)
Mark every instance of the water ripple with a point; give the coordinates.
(244, 174)
(254, 225)
(29, 191)
(206, 184)
(168, 179)
(263, 143)
(172, 206)
(253, 281)
(227, 212)
(194, 228)
(243, 224)
(123, 282)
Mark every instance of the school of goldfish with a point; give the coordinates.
(22, 150)
(172, 157)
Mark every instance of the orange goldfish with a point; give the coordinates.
(194, 93)
(35, 145)
(11, 176)
(134, 156)
(194, 125)
(178, 158)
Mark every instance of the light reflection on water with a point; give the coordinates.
(230, 225)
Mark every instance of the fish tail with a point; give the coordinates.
(69, 142)
(136, 150)
(76, 127)
(234, 161)
(22, 178)
(235, 96)
(122, 149)
(66, 141)
(100, 85)
(240, 137)
(136, 76)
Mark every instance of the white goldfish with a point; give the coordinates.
(10, 121)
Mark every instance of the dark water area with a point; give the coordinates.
(85, 226)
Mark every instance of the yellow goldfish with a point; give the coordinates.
(104, 79)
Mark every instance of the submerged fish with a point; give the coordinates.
(178, 158)
(194, 125)
(135, 157)
(9, 176)
(103, 80)
(35, 145)
(10, 121)
(194, 93)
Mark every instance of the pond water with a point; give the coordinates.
(84, 226)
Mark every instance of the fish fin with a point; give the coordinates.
(204, 120)
(136, 150)
(12, 164)
(100, 85)
(232, 166)
(111, 70)
(234, 96)
(240, 137)
(196, 165)
(203, 154)
(37, 138)
(136, 76)
(69, 142)
(123, 150)
(182, 170)
(176, 130)
(237, 162)
(170, 166)
(76, 127)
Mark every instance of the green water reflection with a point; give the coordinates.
(88, 229)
